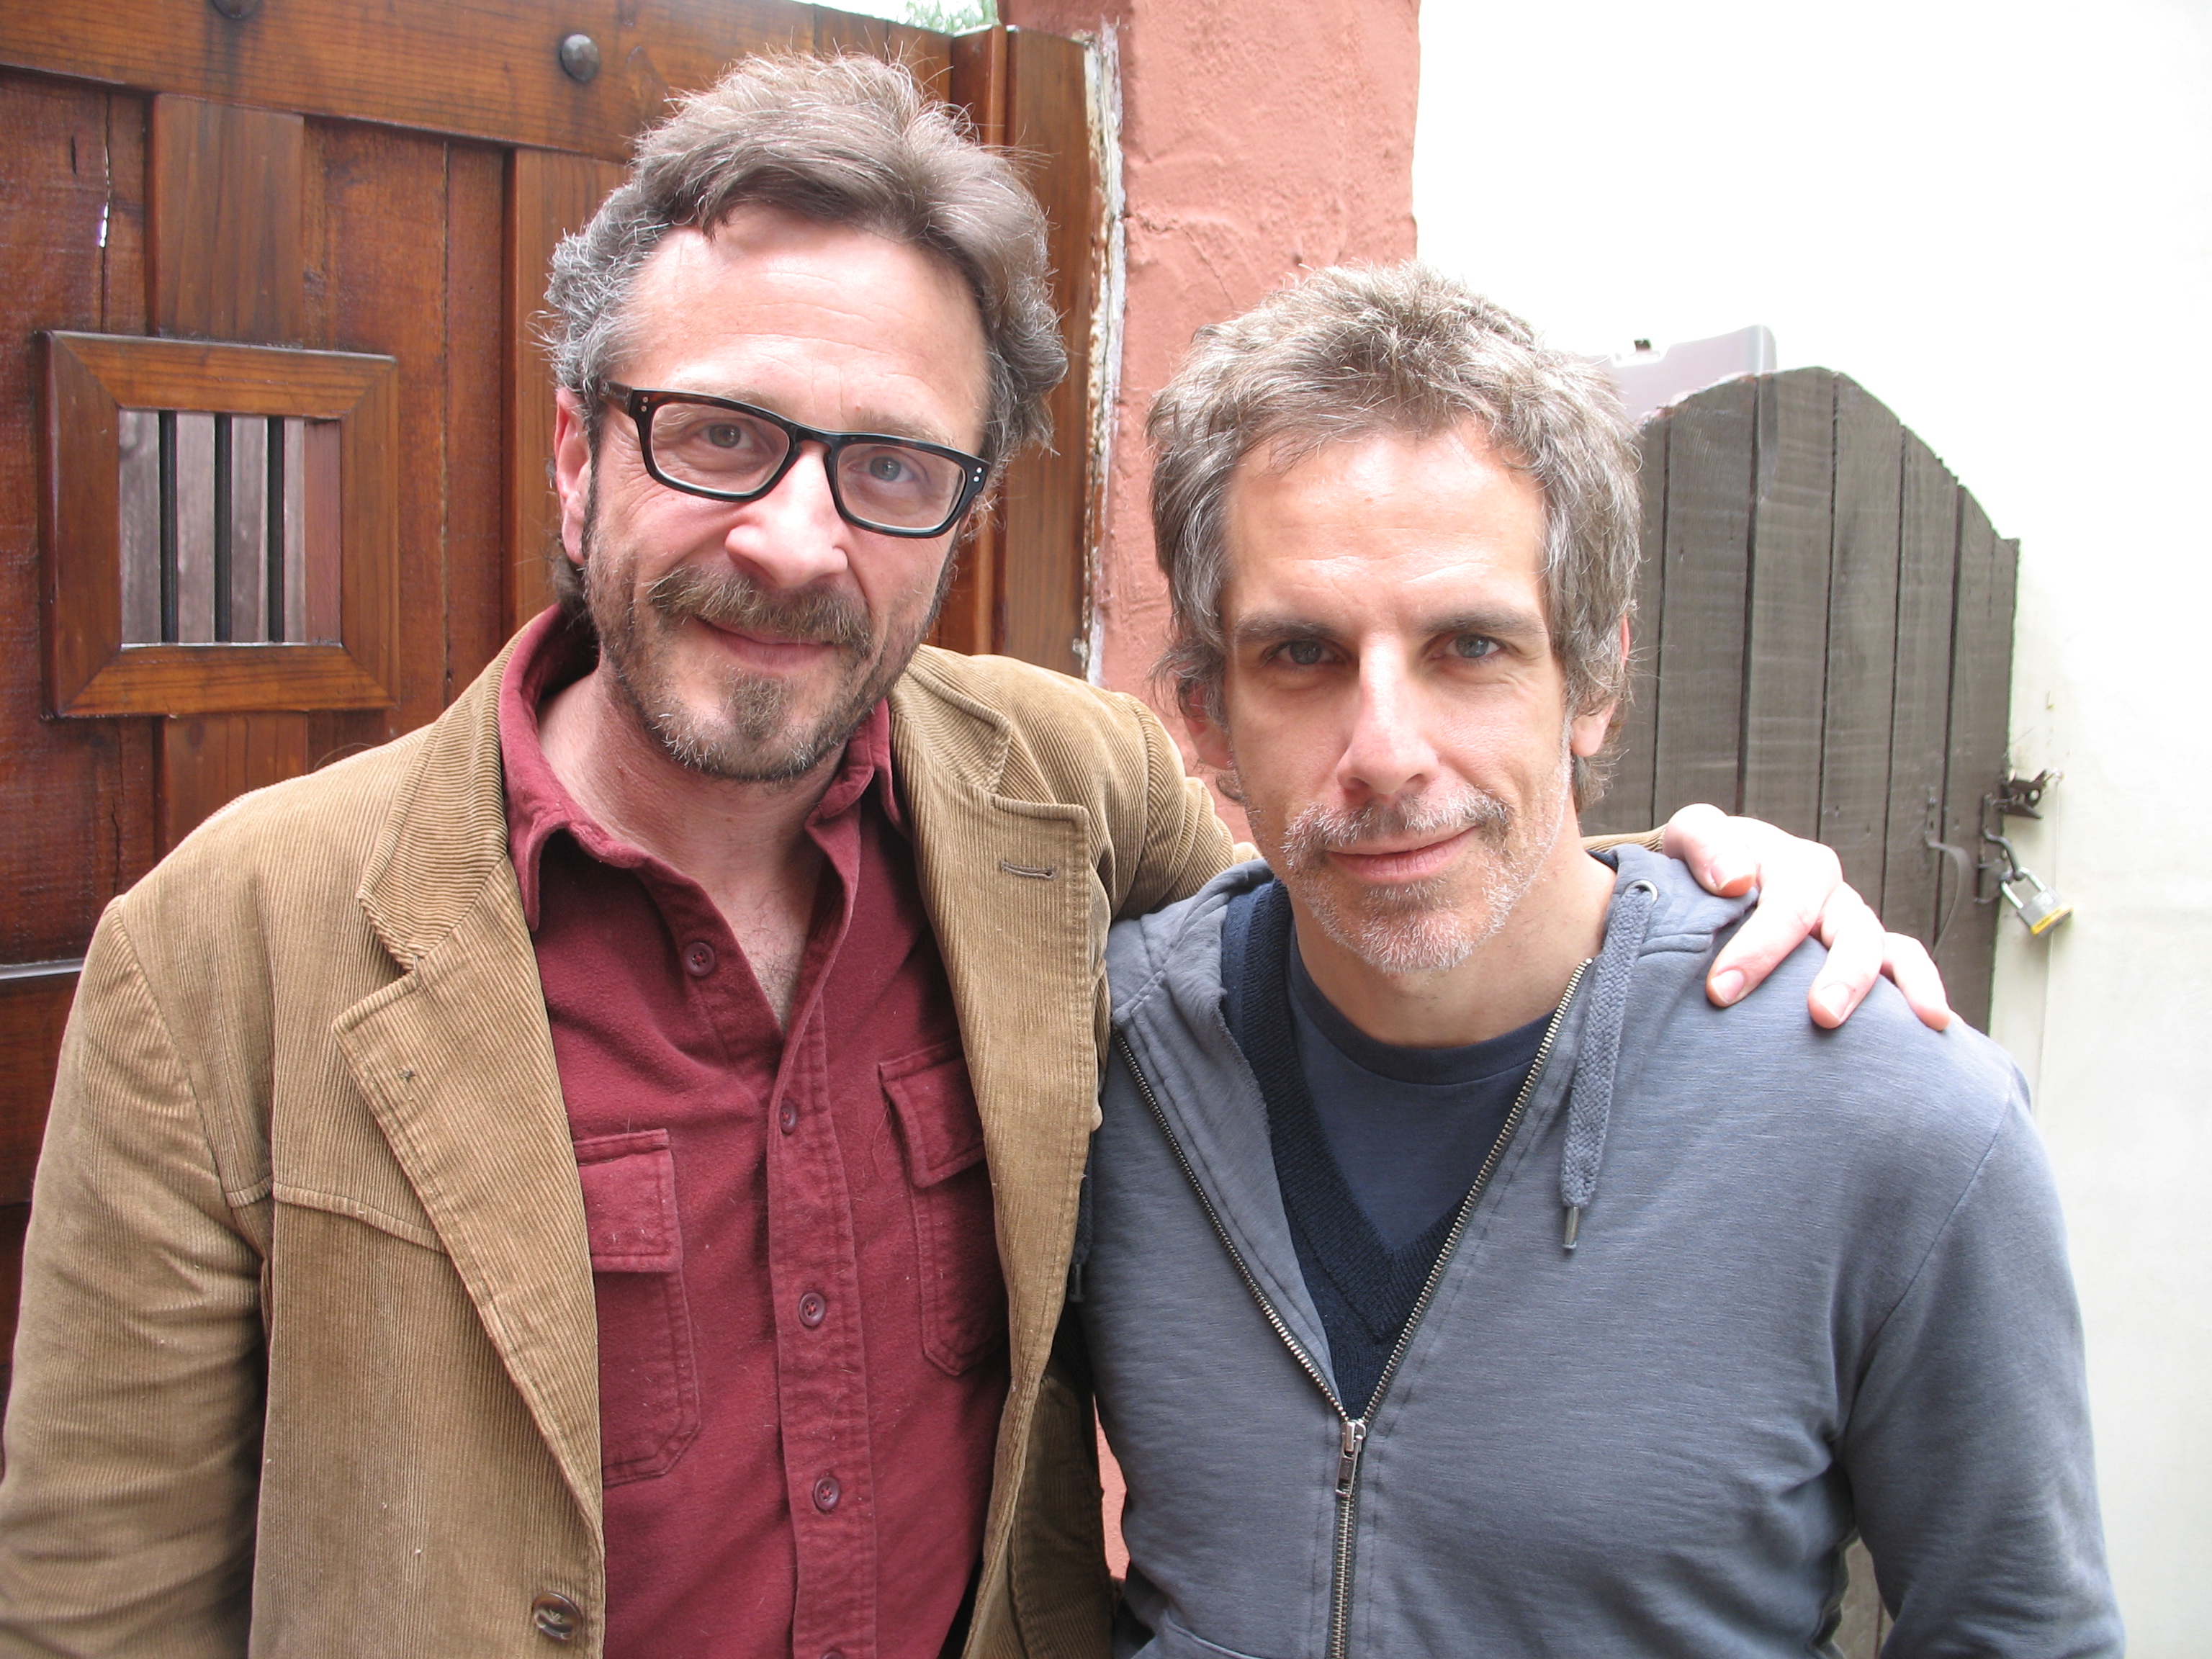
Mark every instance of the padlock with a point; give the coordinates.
(2041, 910)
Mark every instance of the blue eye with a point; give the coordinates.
(1304, 653)
(1473, 646)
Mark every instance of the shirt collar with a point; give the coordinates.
(550, 656)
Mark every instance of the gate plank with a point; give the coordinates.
(548, 196)
(1927, 568)
(1625, 807)
(1793, 516)
(1981, 697)
(1861, 637)
(1698, 748)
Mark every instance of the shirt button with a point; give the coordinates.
(835, 1653)
(787, 1119)
(557, 1617)
(827, 1492)
(699, 958)
(812, 1308)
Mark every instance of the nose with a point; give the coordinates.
(1386, 752)
(792, 535)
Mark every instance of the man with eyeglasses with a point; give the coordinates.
(600, 1171)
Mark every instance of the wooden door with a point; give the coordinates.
(382, 185)
(1824, 640)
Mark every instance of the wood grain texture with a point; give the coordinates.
(1981, 697)
(208, 761)
(1698, 748)
(76, 795)
(1862, 638)
(481, 69)
(223, 221)
(89, 672)
(377, 250)
(1626, 805)
(548, 197)
(473, 500)
(971, 617)
(1792, 523)
(1927, 568)
(928, 55)
(1044, 563)
(34, 1009)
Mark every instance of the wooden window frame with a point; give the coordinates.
(352, 553)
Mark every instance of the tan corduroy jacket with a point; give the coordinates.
(307, 1358)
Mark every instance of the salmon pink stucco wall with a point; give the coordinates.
(1259, 138)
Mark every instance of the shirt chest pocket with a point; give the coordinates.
(648, 1383)
(963, 1296)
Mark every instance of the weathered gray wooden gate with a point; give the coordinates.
(1823, 640)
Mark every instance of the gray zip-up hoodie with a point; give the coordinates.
(1818, 1283)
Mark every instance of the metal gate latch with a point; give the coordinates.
(2040, 910)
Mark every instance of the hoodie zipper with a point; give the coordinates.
(1352, 1440)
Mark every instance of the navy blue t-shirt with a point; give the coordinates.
(1374, 1145)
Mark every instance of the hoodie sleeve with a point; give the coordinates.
(1967, 1445)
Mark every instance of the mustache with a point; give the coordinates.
(729, 600)
(1319, 830)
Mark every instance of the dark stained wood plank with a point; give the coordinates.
(208, 761)
(1626, 805)
(14, 1219)
(1698, 748)
(380, 226)
(474, 530)
(970, 618)
(223, 229)
(548, 197)
(1792, 523)
(481, 69)
(1981, 700)
(1044, 559)
(76, 797)
(1927, 568)
(1861, 637)
(35, 1005)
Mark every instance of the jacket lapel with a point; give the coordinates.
(456, 1061)
(1011, 893)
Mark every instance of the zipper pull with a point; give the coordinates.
(1347, 1460)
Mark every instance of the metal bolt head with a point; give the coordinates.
(236, 10)
(580, 55)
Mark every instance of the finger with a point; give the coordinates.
(1715, 847)
(1857, 945)
(1796, 878)
(1906, 960)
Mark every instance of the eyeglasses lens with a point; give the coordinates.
(723, 449)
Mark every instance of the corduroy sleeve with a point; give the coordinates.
(133, 1429)
(1184, 844)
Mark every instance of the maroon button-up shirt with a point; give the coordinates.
(801, 1321)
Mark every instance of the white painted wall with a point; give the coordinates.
(1996, 214)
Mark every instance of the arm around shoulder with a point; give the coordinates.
(1184, 844)
(132, 1438)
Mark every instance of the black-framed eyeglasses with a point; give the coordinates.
(728, 450)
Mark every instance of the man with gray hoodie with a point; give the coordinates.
(1460, 1280)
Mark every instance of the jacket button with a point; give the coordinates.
(827, 1492)
(557, 1617)
(813, 1308)
(787, 1119)
(699, 958)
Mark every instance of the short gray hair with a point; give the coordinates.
(1356, 351)
(843, 141)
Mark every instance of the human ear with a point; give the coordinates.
(1207, 736)
(572, 471)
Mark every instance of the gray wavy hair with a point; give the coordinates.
(844, 141)
(1355, 350)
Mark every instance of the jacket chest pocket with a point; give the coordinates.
(963, 1296)
(648, 1384)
